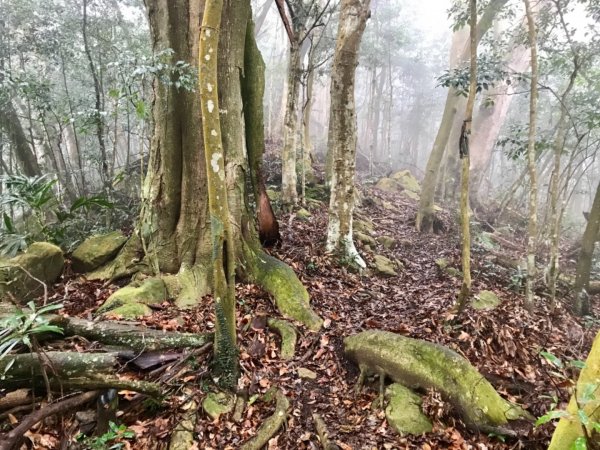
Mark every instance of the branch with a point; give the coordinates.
(285, 20)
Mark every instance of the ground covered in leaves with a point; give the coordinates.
(504, 343)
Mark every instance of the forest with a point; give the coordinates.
(300, 224)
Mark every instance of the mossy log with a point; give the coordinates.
(271, 425)
(288, 337)
(68, 370)
(279, 280)
(133, 337)
(421, 364)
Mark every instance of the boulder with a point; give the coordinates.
(388, 185)
(385, 266)
(387, 242)
(404, 413)
(217, 403)
(41, 260)
(152, 291)
(364, 238)
(407, 181)
(97, 250)
(303, 214)
(364, 226)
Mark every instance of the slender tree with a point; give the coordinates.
(342, 128)
(531, 159)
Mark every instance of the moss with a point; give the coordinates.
(412, 195)
(404, 413)
(387, 242)
(407, 181)
(225, 364)
(279, 280)
(42, 260)
(194, 285)
(303, 214)
(130, 311)
(271, 425)
(388, 185)
(384, 266)
(364, 238)
(217, 403)
(485, 300)
(128, 261)
(364, 226)
(97, 250)
(417, 363)
(288, 337)
(151, 292)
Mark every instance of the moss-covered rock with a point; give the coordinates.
(412, 195)
(97, 250)
(41, 260)
(486, 300)
(387, 242)
(363, 225)
(150, 292)
(388, 185)
(384, 266)
(217, 403)
(307, 374)
(407, 181)
(364, 238)
(444, 266)
(303, 214)
(421, 364)
(130, 311)
(403, 412)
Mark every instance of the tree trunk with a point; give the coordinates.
(289, 193)
(531, 165)
(425, 214)
(26, 159)
(584, 262)
(342, 128)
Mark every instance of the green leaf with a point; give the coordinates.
(577, 364)
(556, 414)
(583, 417)
(579, 444)
(552, 359)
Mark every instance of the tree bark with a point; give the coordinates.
(24, 155)
(342, 128)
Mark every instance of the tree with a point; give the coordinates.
(425, 214)
(465, 290)
(342, 128)
(182, 237)
(531, 159)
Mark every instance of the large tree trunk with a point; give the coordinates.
(425, 215)
(584, 263)
(26, 159)
(342, 128)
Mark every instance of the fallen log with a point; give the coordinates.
(134, 337)
(421, 364)
(68, 370)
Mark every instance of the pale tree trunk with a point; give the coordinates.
(308, 173)
(584, 262)
(289, 193)
(489, 121)
(555, 213)
(23, 152)
(342, 128)
(425, 214)
(531, 164)
(465, 291)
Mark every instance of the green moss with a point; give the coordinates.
(279, 280)
(407, 181)
(303, 214)
(387, 242)
(131, 311)
(42, 260)
(151, 292)
(364, 226)
(217, 403)
(404, 413)
(384, 266)
(127, 262)
(485, 300)
(364, 238)
(388, 185)
(288, 337)
(97, 250)
(417, 363)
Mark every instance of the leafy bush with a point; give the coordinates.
(111, 440)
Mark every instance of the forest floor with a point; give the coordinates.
(503, 343)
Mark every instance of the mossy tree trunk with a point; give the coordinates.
(426, 213)
(465, 290)
(531, 163)
(342, 128)
(584, 262)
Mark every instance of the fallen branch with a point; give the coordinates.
(271, 425)
(11, 439)
(323, 433)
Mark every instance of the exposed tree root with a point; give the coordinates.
(279, 280)
(271, 425)
(323, 433)
(133, 337)
(128, 262)
(182, 437)
(421, 364)
(288, 336)
(11, 439)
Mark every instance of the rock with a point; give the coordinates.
(364, 226)
(485, 300)
(404, 413)
(412, 195)
(444, 266)
(151, 292)
(42, 260)
(364, 238)
(217, 403)
(274, 195)
(130, 311)
(384, 266)
(388, 185)
(407, 181)
(97, 250)
(303, 214)
(387, 242)
(306, 373)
